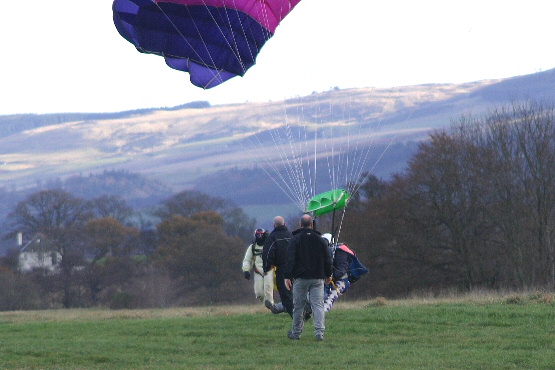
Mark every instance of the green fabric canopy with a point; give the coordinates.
(328, 202)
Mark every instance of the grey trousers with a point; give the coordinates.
(311, 290)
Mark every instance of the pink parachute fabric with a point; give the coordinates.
(346, 249)
(213, 40)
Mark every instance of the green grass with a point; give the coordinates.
(505, 333)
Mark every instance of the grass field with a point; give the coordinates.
(509, 332)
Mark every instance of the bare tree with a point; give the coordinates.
(60, 217)
(190, 202)
(111, 206)
(525, 138)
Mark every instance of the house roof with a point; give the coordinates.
(37, 244)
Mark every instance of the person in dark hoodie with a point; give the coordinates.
(308, 268)
(274, 256)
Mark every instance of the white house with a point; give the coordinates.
(37, 254)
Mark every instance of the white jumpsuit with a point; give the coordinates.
(263, 282)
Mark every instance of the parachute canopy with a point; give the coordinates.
(328, 202)
(213, 40)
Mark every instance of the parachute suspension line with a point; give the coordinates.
(266, 18)
(271, 164)
(315, 160)
(359, 161)
(348, 170)
(289, 180)
(359, 167)
(234, 49)
(296, 165)
(356, 186)
(311, 186)
(293, 163)
(183, 36)
(211, 63)
(304, 152)
(253, 55)
(332, 172)
(290, 163)
(349, 155)
(382, 154)
(340, 223)
(345, 156)
(339, 159)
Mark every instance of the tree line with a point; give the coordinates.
(187, 259)
(474, 209)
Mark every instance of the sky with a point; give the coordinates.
(66, 55)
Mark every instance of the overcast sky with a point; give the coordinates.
(66, 55)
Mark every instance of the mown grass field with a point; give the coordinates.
(510, 332)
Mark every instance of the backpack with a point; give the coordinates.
(356, 269)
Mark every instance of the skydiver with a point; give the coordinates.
(263, 282)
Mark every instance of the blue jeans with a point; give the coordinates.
(311, 290)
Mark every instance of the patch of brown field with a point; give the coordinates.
(479, 297)
(99, 314)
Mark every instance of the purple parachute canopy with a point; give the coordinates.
(213, 40)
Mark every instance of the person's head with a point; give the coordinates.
(279, 221)
(306, 221)
(260, 236)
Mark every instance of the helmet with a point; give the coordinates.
(259, 233)
(260, 236)
(327, 236)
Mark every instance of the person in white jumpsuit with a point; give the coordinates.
(263, 282)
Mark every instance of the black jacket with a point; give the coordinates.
(309, 256)
(341, 262)
(275, 249)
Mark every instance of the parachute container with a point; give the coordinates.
(328, 202)
(212, 40)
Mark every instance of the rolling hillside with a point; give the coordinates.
(223, 150)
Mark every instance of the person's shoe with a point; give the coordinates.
(319, 337)
(280, 308)
(290, 335)
(272, 307)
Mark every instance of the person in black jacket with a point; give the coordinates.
(341, 257)
(310, 265)
(274, 255)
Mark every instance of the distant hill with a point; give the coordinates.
(217, 149)
(16, 123)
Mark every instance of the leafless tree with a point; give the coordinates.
(60, 217)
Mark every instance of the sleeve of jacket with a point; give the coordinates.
(248, 260)
(291, 252)
(268, 254)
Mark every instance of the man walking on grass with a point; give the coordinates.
(274, 256)
(308, 267)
